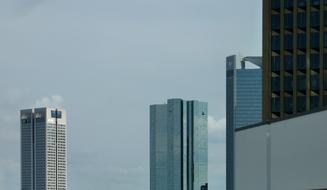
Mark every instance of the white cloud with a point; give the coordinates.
(52, 101)
(216, 129)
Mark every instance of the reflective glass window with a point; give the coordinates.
(302, 41)
(275, 22)
(301, 20)
(288, 62)
(301, 103)
(275, 43)
(315, 61)
(288, 41)
(315, 40)
(275, 63)
(301, 62)
(315, 19)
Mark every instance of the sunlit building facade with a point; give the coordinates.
(43, 149)
(179, 145)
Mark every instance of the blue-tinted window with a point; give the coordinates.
(275, 4)
(56, 114)
(288, 41)
(288, 4)
(288, 83)
(301, 103)
(315, 19)
(288, 21)
(314, 82)
(302, 41)
(275, 22)
(288, 104)
(275, 104)
(325, 81)
(315, 40)
(325, 18)
(302, 3)
(301, 82)
(315, 2)
(275, 84)
(301, 20)
(288, 62)
(315, 61)
(275, 63)
(314, 102)
(275, 43)
(301, 62)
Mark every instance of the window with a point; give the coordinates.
(325, 18)
(301, 83)
(315, 19)
(56, 114)
(301, 3)
(301, 62)
(314, 82)
(288, 104)
(315, 2)
(301, 20)
(288, 83)
(301, 103)
(288, 62)
(275, 4)
(314, 102)
(275, 43)
(288, 21)
(275, 63)
(302, 41)
(275, 104)
(325, 61)
(315, 40)
(288, 4)
(275, 84)
(275, 22)
(315, 61)
(288, 41)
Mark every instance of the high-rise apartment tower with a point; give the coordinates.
(43, 149)
(294, 57)
(179, 145)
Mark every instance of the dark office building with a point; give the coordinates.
(295, 57)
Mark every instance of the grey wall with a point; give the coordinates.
(290, 154)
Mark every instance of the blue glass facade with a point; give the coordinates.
(178, 145)
(243, 105)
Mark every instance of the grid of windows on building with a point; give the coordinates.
(295, 56)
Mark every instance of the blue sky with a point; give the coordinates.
(106, 61)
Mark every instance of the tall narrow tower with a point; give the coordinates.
(179, 146)
(243, 102)
(43, 149)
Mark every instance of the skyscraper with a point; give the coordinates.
(295, 57)
(179, 145)
(43, 149)
(244, 102)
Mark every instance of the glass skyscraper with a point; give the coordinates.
(179, 145)
(244, 102)
(43, 149)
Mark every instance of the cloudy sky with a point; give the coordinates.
(106, 61)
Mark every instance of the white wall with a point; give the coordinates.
(290, 154)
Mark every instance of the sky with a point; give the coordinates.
(105, 62)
